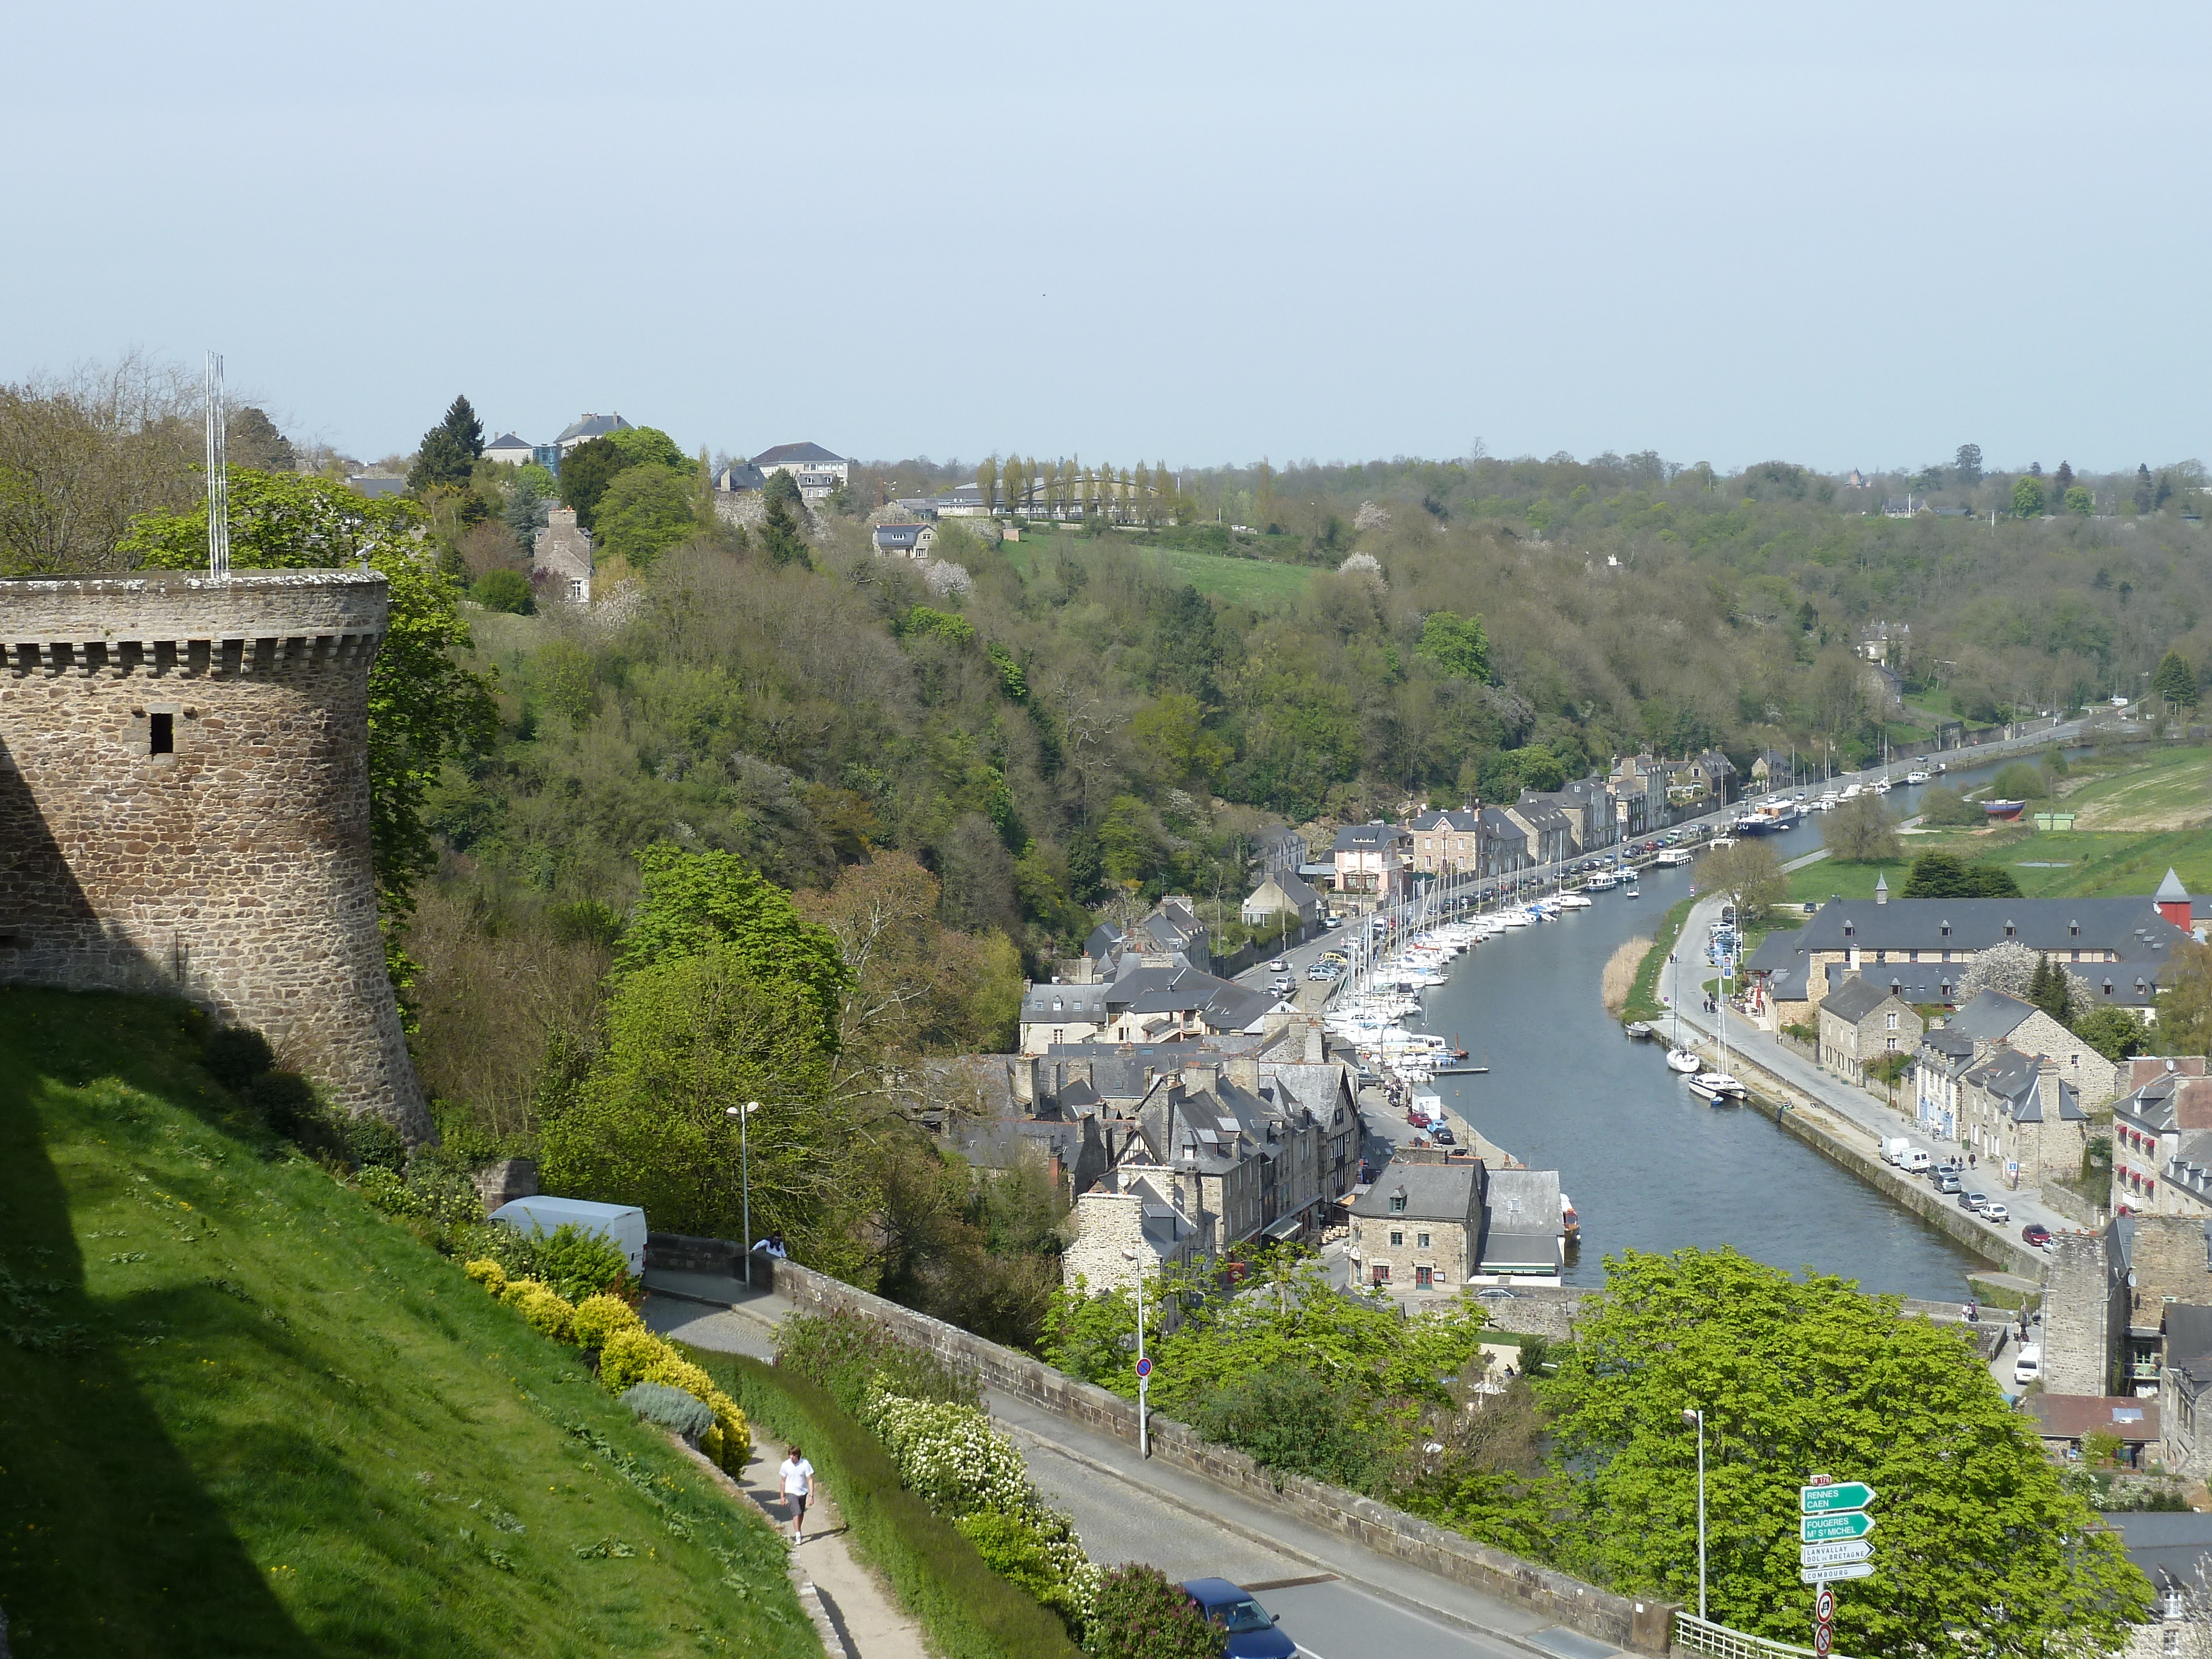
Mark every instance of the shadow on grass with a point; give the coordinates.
(115, 1547)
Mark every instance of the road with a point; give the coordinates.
(1336, 1599)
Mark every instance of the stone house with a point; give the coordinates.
(910, 541)
(1709, 776)
(1281, 893)
(561, 560)
(1773, 768)
(1506, 846)
(1651, 780)
(1142, 1004)
(1128, 1226)
(2022, 1118)
(1444, 842)
(2174, 1552)
(2162, 1137)
(1419, 1226)
(1551, 833)
(2063, 1421)
(816, 471)
(1950, 1051)
(1254, 1160)
(1588, 806)
(1861, 1023)
(2124, 948)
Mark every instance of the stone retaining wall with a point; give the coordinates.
(1643, 1626)
(2071, 1205)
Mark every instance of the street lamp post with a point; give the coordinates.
(1691, 1414)
(745, 1178)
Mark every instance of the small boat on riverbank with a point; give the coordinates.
(1638, 1028)
(1683, 1060)
(1717, 1086)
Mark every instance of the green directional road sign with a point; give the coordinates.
(1842, 1495)
(1819, 1528)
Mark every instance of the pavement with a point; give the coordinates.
(1337, 1599)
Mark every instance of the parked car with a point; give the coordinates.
(1976, 1202)
(1948, 1184)
(2027, 1365)
(1252, 1631)
(1994, 1211)
(2035, 1233)
(1277, 967)
(1443, 1137)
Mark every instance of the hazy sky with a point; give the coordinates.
(1844, 235)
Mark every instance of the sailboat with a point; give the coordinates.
(1717, 1087)
(1679, 1058)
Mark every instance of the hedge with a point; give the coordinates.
(967, 1611)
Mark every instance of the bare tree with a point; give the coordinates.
(81, 453)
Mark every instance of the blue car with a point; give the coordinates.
(1251, 1627)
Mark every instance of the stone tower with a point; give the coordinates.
(185, 808)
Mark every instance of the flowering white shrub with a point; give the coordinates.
(950, 1456)
(952, 1459)
(944, 578)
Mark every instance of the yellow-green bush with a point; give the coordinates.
(548, 1314)
(628, 1353)
(598, 1317)
(488, 1273)
(627, 1356)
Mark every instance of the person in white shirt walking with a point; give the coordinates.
(798, 1476)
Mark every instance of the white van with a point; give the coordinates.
(2028, 1367)
(621, 1225)
(1893, 1149)
(1914, 1160)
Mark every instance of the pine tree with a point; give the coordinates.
(2065, 478)
(2039, 984)
(468, 431)
(2143, 488)
(2173, 681)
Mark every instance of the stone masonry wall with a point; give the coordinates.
(2078, 1338)
(1642, 1626)
(234, 871)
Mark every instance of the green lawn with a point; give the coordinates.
(1261, 583)
(241, 1414)
(2172, 789)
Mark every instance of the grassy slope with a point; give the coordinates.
(288, 1427)
(1259, 582)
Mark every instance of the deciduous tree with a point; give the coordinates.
(646, 510)
(1455, 645)
(1794, 1376)
(2027, 497)
(585, 472)
(424, 708)
(1863, 830)
(1748, 874)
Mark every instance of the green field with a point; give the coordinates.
(1262, 584)
(242, 1413)
(2171, 791)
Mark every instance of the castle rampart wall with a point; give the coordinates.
(185, 807)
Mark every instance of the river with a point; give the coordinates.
(1650, 1166)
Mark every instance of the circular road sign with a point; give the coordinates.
(1824, 1605)
(1824, 1638)
(1144, 1367)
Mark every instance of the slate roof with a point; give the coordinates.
(1498, 827)
(1367, 838)
(2170, 891)
(2167, 1549)
(1855, 999)
(900, 536)
(797, 455)
(1463, 821)
(508, 440)
(2010, 1076)
(1434, 1191)
(1992, 1016)
(2169, 1101)
(1223, 1003)
(2131, 926)
(740, 476)
(2188, 1332)
(1296, 894)
(363, 483)
(585, 428)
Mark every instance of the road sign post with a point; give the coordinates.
(1833, 1524)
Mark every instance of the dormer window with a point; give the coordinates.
(2010, 930)
(1398, 1202)
(1849, 930)
(2074, 928)
(1946, 926)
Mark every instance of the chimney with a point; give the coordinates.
(2046, 1087)
(2172, 901)
(1243, 1071)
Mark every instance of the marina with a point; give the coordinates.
(1635, 1133)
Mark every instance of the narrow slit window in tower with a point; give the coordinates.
(162, 738)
